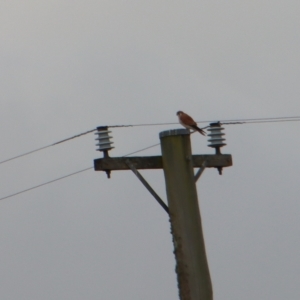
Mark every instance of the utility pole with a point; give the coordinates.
(177, 161)
(192, 268)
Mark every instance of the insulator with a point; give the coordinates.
(103, 138)
(216, 139)
(216, 136)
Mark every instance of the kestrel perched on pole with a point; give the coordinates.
(186, 121)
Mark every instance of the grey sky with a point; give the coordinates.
(69, 66)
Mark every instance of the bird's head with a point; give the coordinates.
(179, 113)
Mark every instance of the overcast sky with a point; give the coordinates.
(69, 66)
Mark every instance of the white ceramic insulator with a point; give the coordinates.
(103, 139)
(216, 137)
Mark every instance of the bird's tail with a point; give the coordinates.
(200, 130)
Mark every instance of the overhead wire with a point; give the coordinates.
(223, 122)
(45, 183)
(141, 150)
(68, 175)
(42, 148)
(262, 121)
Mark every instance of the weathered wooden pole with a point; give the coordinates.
(191, 263)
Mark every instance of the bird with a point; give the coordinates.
(186, 121)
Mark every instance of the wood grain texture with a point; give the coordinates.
(155, 162)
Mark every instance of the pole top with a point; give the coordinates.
(173, 132)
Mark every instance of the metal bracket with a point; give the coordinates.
(147, 186)
(200, 171)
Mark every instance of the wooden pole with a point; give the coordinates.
(191, 263)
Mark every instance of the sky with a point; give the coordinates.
(70, 66)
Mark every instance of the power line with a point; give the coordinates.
(141, 150)
(59, 142)
(24, 154)
(74, 137)
(68, 175)
(266, 121)
(54, 144)
(45, 183)
(224, 122)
